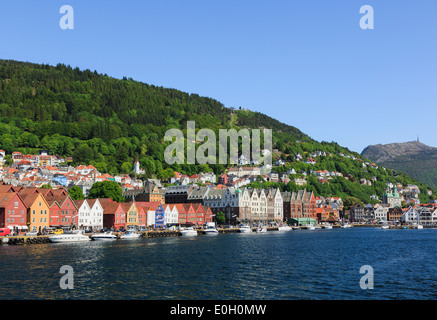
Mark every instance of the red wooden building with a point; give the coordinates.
(13, 212)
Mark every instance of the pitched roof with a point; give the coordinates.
(6, 198)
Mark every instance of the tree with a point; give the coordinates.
(350, 201)
(220, 217)
(76, 193)
(106, 189)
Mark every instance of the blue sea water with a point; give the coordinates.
(293, 265)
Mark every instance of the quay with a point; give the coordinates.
(24, 240)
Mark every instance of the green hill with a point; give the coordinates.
(108, 122)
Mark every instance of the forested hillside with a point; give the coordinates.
(108, 122)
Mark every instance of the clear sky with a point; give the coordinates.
(306, 63)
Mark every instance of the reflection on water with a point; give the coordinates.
(293, 265)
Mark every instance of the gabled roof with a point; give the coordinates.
(30, 198)
(6, 198)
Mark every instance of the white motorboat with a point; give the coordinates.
(261, 230)
(189, 231)
(310, 227)
(327, 226)
(104, 236)
(69, 237)
(317, 227)
(245, 229)
(210, 230)
(385, 226)
(284, 228)
(130, 236)
(417, 226)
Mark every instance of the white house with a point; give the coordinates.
(171, 214)
(410, 216)
(96, 214)
(84, 212)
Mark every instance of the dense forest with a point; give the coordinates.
(109, 122)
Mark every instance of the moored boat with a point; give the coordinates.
(284, 228)
(261, 230)
(189, 231)
(245, 228)
(130, 236)
(104, 236)
(69, 237)
(210, 230)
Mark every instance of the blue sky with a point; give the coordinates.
(305, 63)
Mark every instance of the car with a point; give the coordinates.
(32, 233)
(58, 231)
(5, 232)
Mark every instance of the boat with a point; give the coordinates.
(211, 230)
(317, 227)
(385, 226)
(417, 226)
(69, 237)
(327, 226)
(296, 228)
(310, 227)
(284, 228)
(261, 230)
(130, 236)
(189, 231)
(104, 236)
(245, 229)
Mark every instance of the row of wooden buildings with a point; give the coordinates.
(37, 209)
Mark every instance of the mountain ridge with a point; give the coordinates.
(413, 157)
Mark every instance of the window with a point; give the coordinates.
(40, 204)
(16, 204)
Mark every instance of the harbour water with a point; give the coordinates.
(303, 264)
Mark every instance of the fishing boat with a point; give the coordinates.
(245, 228)
(189, 231)
(104, 236)
(69, 237)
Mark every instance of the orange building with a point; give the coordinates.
(38, 211)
